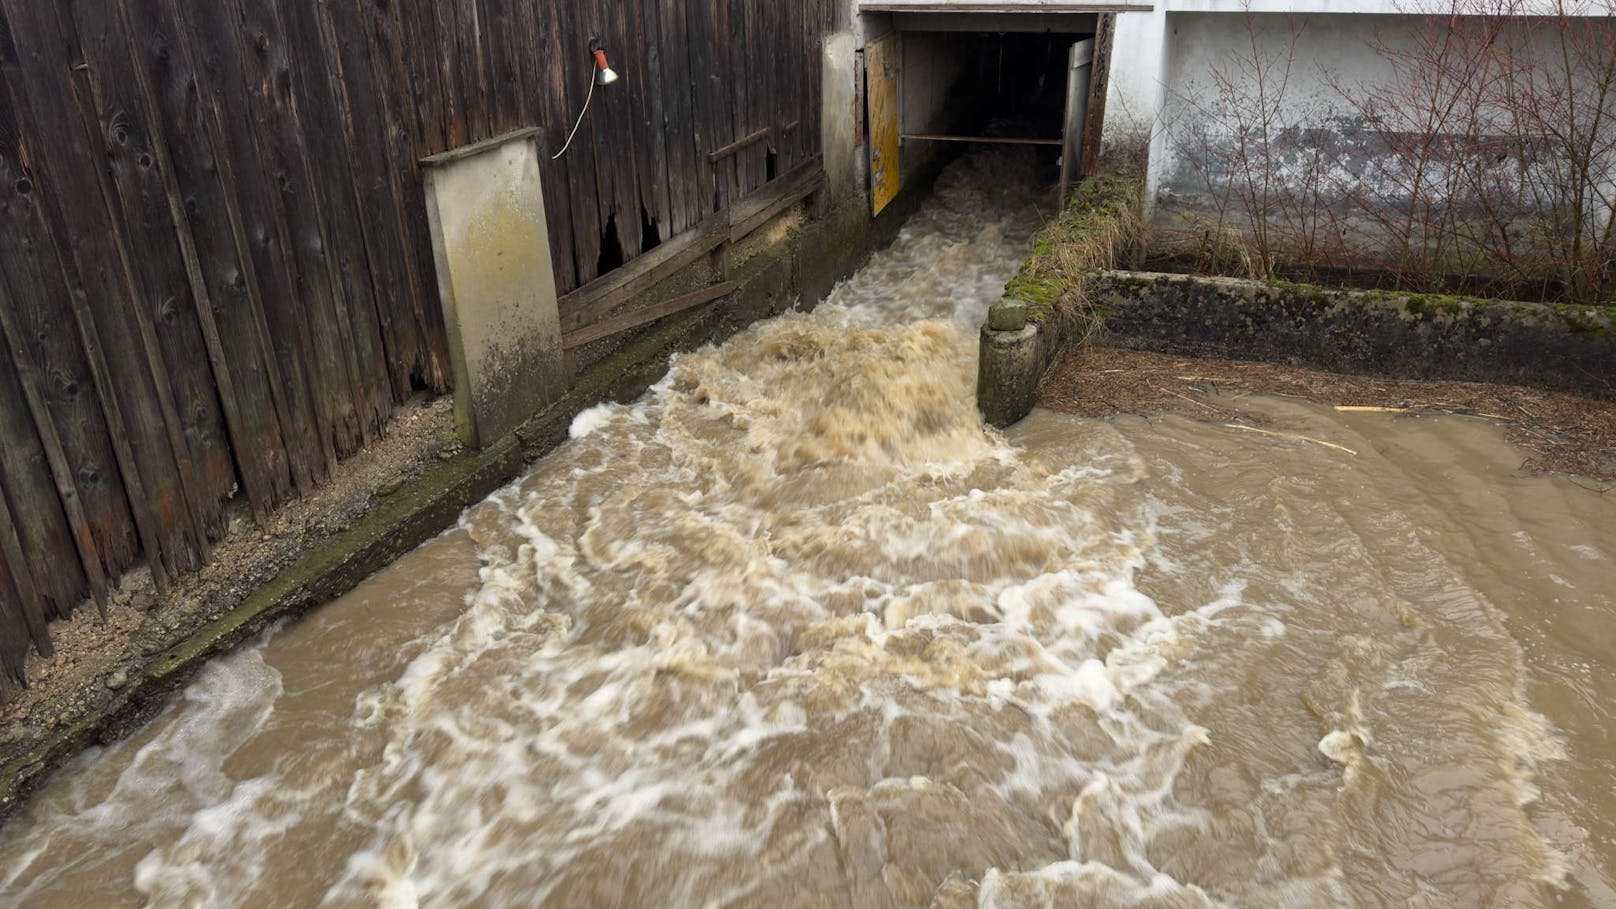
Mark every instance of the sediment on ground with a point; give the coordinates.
(98, 654)
(1556, 432)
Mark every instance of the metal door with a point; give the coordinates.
(881, 81)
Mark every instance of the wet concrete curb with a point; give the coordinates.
(1557, 347)
(1048, 303)
(1011, 364)
(805, 267)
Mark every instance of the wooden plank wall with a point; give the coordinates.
(215, 267)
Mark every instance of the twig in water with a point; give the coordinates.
(1212, 407)
(1292, 436)
(1599, 490)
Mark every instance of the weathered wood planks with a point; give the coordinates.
(215, 271)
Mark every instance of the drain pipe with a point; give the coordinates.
(1077, 116)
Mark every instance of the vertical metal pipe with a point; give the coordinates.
(1077, 114)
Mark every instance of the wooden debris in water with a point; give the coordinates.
(1295, 437)
(1563, 433)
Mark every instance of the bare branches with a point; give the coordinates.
(1478, 152)
(1248, 143)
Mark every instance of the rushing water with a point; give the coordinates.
(794, 630)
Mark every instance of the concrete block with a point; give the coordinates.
(491, 244)
(839, 124)
(1007, 315)
(1009, 370)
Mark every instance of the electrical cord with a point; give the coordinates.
(581, 114)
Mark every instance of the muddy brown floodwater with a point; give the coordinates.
(794, 630)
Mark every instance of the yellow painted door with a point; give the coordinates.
(881, 77)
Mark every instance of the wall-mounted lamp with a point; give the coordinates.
(604, 74)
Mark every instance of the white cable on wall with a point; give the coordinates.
(587, 99)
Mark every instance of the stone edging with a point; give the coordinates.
(1559, 347)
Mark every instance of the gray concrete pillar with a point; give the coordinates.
(491, 244)
(1010, 366)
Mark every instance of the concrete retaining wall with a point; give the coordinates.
(1559, 347)
(1411, 336)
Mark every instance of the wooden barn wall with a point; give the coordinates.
(215, 267)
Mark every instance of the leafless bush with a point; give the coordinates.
(1258, 156)
(1555, 86)
(1418, 170)
(1483, 151)
(1495, 137)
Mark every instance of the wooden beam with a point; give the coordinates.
(72, 504)
(775, 198)
(189, 557)
(1099, 81)
(1016, 7)
(1027, 23)
(725, 151)
(22, 578)
(635, 318)
(601, 296)
(598, 298)
(984, 140)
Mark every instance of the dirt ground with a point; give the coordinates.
(1557, 433)
(97, 655)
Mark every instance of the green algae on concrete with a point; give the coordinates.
(1100, 227)
(1563, 347)
(1048, 303)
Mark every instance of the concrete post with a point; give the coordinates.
(1010, 366)
(491, 244)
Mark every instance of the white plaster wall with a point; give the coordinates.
(1134, 95)
(1367, 7)
(1327, 47)
(1333, 54)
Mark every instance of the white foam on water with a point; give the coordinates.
(796, 628)
(172, 785)
(590, 420)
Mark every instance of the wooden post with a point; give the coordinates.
(1105, 34)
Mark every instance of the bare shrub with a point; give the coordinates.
(1555, 86)
(1495, 127)
(1420, 170)
(1482, 153)
(1259, 155)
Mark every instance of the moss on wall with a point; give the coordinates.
(1564, 347)
(1100, 229)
